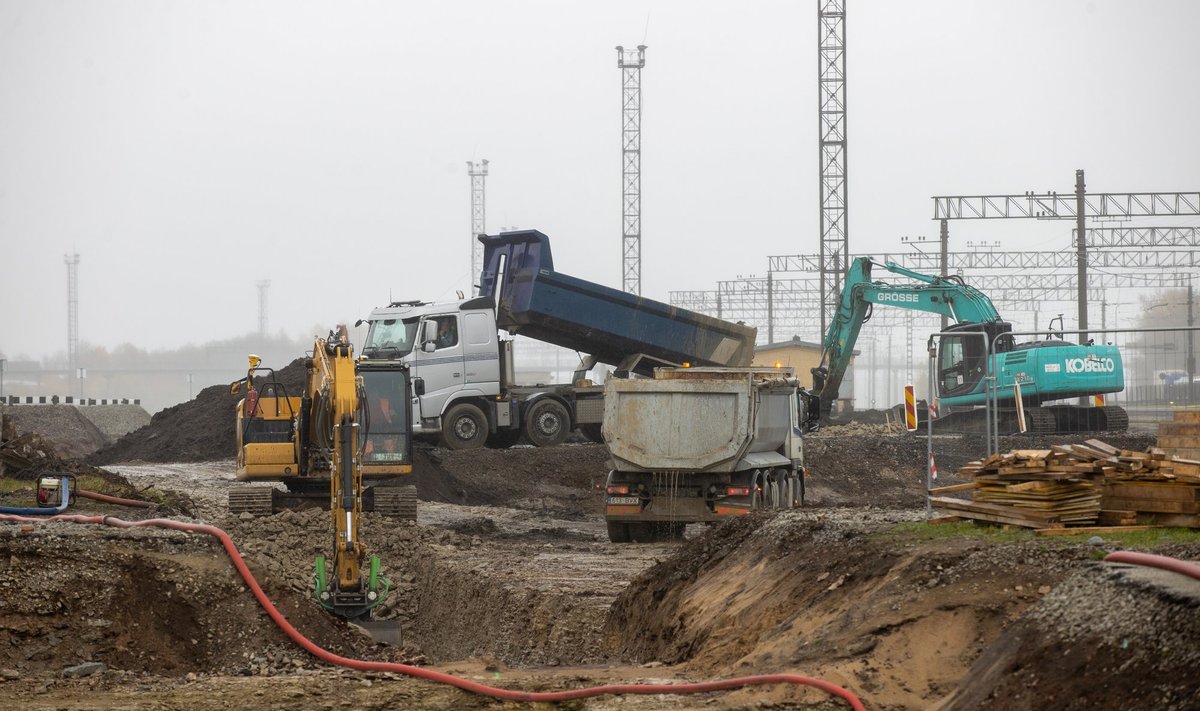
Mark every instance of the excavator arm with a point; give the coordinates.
(946, 296)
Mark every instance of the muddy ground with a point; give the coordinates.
(508, 578)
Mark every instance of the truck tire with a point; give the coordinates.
(464, 427)
(618, 532)
(547, 423)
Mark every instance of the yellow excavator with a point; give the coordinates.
(348, 427)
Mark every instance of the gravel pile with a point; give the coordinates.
(1104, 638)
(68, 431)
(116, 421)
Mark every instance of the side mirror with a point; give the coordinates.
(428, 347)
(418, 386)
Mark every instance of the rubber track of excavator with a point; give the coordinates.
(396, 502)
(254, 500)
(1116, 419)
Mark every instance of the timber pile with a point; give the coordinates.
(1079, 485)
(1035, 488)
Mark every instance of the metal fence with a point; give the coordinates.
(1160, 378)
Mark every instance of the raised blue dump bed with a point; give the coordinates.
(535, 301)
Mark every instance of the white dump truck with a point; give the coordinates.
(697, 444)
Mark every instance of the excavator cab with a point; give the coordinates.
(267, 445)
(962, 358)
(387, 451)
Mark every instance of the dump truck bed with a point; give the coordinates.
(535, 301)
(697, 420)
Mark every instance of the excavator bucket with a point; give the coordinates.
(356, 606)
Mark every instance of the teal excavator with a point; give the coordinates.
(1047, 370)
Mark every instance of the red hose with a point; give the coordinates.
(97, 496)
(1155, 561)
(436, 676)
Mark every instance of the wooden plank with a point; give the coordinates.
(938, 521)
(1082, 451)
(1031, 453)
(1153, 505)
(1089, 530)
(938, 490)
(1169, 491)
(1179, 429)
(996, 518)
(978, 507)
(1022, 470)
(1187, 415)
(1172, 520)
(1102, 446)
(1116, 517)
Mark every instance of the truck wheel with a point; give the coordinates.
(547, 423)
(618, 532)
(773, 495)
(464, 427)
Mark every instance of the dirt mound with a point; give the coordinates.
(861, 464)
(199, 430)
(563, 480)
(1108, 634)
(149, 601)
(64, 426)
(890, 610)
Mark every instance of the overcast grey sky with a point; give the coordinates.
(188, 149)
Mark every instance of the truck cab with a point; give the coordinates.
(451, 349)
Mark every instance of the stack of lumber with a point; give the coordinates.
(1079, 485)
(1181, 437)
(1035, 488)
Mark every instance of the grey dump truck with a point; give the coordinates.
(697, 444)
(464, 389)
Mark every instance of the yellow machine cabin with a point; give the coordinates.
(289, 437)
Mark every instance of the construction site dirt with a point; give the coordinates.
(508, 578)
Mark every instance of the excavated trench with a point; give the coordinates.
(513, 568)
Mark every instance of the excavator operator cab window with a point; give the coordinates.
(950, 364)
(387, 401)
(962, 362)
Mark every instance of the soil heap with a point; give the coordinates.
(64, 426)
(199, 430)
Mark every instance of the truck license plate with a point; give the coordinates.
(624, 501)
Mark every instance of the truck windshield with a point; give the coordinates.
(390, 338)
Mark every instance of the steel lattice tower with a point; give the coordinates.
(478, 172)
(631, 63)
(263, 285)
(72, 262)
(831, 96)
